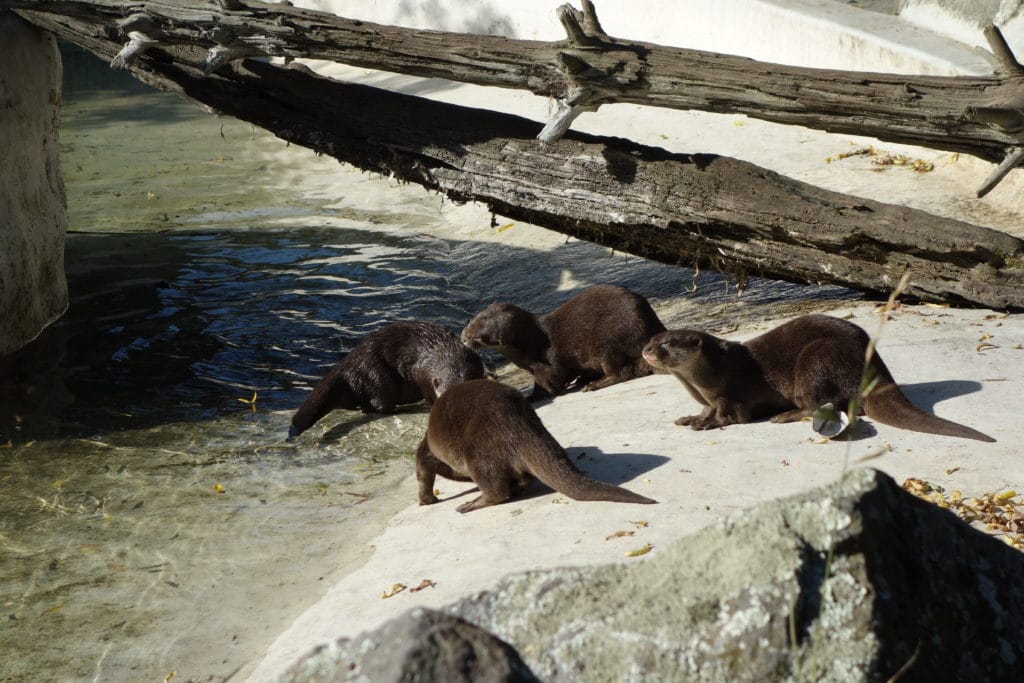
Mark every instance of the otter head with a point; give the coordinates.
(502, 325)
(332, 392)
(674, 349)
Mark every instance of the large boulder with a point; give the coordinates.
(845, 583)
(33, 213)
(422, 645)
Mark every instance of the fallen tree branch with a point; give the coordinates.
(694, 210)
(973, 115)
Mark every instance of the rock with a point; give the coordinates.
(33, 213)
(421, 645)
(857, 584)
(908, 584)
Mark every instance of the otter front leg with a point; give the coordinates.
(428, 466)
(548, 381)
(721, 413)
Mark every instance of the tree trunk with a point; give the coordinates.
(694, 210)
(979, 116)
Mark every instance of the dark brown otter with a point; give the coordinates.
(488, 433)
(596, 336)
(786, 374)
(400, 363)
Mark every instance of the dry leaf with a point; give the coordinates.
(425, 583)
(503, 228)
(437, 492)
(560, 501)
(639, 524)
(997, 316)
(951, 470)
(984, 336)
(218, 488)
(984, 345)
(395, 590)
(618, 534)
(640, 551)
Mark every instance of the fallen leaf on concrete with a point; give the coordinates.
(560, 501)
(951, 470)
(395, 590)
(640, 551)
(984, 345)
(639, 524)
(997, 316)
(218, 488)
(425, 583)
(618, 534)
(985, 336)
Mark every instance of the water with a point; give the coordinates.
(152, 517)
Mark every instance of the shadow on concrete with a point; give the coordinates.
(925, 395)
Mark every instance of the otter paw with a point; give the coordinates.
(687, 420)
(428, 500)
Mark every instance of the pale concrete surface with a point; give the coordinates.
(625, 434)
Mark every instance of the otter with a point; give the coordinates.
(399, 363)
(488, 433)
(596, 336)
(786, 373)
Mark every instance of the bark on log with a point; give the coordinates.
(694, 210)
(973, 115)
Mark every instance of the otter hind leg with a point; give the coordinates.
(495, 481)
(823, 374)
(794, 415)
(619, 369)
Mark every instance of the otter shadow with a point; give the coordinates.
(610, 468)
(925, 395)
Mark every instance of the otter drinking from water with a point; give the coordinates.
(487, 433)
(786, 374)
(400, 363)
(596, 336)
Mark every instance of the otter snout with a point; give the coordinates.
(652, 354)
(468, 340)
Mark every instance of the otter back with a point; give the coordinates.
(596, 337)
(400, 363)
(487, 432)
(786, 374)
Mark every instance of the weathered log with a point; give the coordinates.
(695, 210)
(973, 115)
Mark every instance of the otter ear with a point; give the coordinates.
(436, 383)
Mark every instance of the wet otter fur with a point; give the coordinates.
(787, 373)
(488, 433)
(400, 363)
(596, 336)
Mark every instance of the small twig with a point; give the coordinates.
(590, 22)
(1014, 156)
(137, 44)
(578, 38)
(1005, 59)
(569, 107)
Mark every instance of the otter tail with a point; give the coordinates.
(887, 404)
(558, 472)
